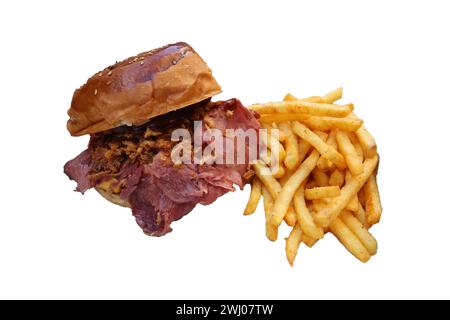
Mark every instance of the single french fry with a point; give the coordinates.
(315, 122)
(253, 200)
(321, 177)
(291, 160)
(327, 151)
(373, 203)
(304, 217)
(333, 96)
(349, 240)
(328, 214)
(271, 231)
(353, 204)
(290, 217)
(367, 142)
(287, 192)
(301, 106)
(337, 178)
(292, 243)
(360, 232)
(322, 192)
(267, 179)
(346, 148)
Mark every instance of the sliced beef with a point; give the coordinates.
(138, 160)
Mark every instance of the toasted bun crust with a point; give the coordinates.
(114, 198)
(139, 88)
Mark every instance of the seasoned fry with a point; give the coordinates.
(346, 148)
(271, 231)
(373, 203)
(327, 151)
(349, 240)
(314, 122)
(322, 192)
(255, 195)
(367, 142)
(291, 160)
(267, 179)
(326, 216)
(292, 243)
(287, 192)
(317, 99)
(301, 106)
(304, 217)
(337, 178)
(333, 96)
(360, 232)
(353, 204)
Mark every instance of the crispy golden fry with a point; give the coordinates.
(361, 216)
(267, 179)
(327, 151)
(290, 217)
(322, 192)
(255, 195)
(373, 203)
(360, 232)
(333, 96)
(291, 160)
(271, 231)
(349, 240)
(337, 178)
(287, 192)
(309, 241)
(327, 215)
(301, 106)
(321, 177)
(346, 148)
(303, 148)
(367, 142)
(314, 122)
(292, 243)
(304, 217)
(354, 203)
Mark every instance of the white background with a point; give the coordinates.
(391, 57)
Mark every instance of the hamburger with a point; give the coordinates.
(131, 110)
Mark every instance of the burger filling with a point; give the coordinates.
(135, 163)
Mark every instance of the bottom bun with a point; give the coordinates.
(112, 197)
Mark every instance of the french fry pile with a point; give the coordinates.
(325, 180)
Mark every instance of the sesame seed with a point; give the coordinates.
(100, 74)
(95, 92)
(110, 73)
(142, 62)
